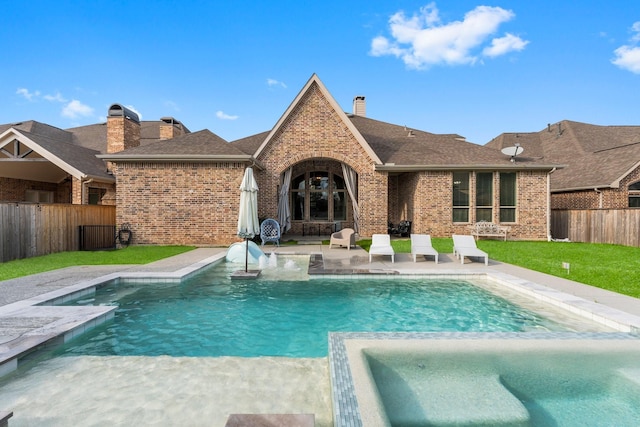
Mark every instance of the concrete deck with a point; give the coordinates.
(28, 319)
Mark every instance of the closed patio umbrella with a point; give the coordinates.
(248, 224)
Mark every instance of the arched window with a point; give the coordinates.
(634, 195)
(318, 196)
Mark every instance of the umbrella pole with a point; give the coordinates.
(246, 254)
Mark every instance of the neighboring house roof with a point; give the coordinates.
(595, 156)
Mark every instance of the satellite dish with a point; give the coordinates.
(512, 151)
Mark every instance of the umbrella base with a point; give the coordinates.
(249, 274)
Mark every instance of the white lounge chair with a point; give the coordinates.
(421, 245)
(465, 246)
(381, 245)
(345, 237)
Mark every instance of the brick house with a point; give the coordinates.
(602, 163)
(335, 169)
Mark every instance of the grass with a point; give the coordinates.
(130, 255)
(612, 267)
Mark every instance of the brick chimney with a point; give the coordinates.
(170, 128)
(123, 129)
(359, 106)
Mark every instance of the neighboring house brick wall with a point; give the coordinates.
(179, 203)
(604, 198)
(314, 131)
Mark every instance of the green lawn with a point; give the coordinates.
(130, 255)
(612, 267)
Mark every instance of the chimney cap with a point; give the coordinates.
(170, 120)
(119, 110)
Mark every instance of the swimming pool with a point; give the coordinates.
(211, 315)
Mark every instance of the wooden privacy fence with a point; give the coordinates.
(28, 230)
(615, 226)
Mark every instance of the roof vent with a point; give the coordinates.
(118, 110)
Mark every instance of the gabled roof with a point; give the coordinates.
(314, 80)
(49, 154)
(595, 156)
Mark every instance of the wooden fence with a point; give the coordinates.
(616, 226)
(28, 230)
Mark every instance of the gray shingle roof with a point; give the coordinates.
(201, 143)
(596, 156)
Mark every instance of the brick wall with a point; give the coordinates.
(179, 203)
(14, 190)
(313, 132)
(425, 199)
(605, 198)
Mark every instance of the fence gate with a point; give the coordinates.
(97, 237)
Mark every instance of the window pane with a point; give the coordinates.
(338, 183)
(339, 205)
(507, 215)
(634, 201)
(460, 215)
(297, 203)
(634, 186)
(318, 205)
(484, 214)
(508, 189)
(484, 189)
(460, 189)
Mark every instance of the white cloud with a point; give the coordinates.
(26, 94)
(223, 116)
(274, 82)
(75, 109)
(57, 97)
(422, 40)
(502, 45)
(627, 56)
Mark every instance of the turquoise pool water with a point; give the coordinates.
(211, 315)
(533, 387)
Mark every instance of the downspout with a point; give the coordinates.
(549, 204)
(82, 189)
(599, 192)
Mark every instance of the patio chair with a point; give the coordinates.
(421, 245)
(465, 246)
(270, 231)
(345, 237)
(381, 245)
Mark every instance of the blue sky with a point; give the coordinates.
(474, 68)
